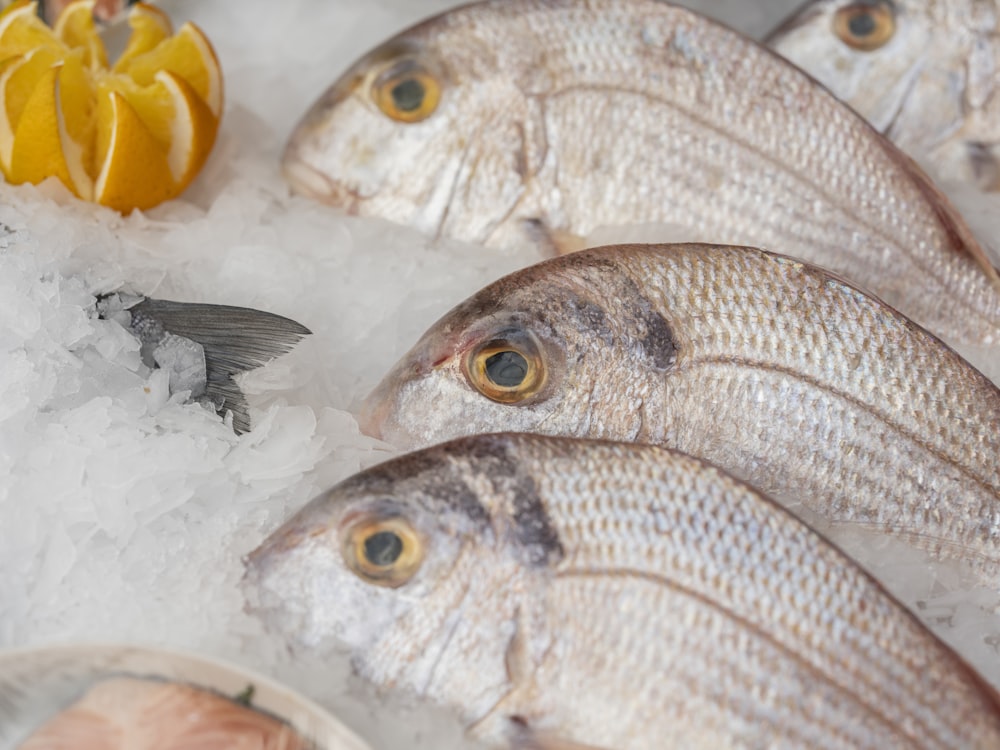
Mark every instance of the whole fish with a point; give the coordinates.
(926, 74)
(560, 592)
(135, 714)
(779, 372)
(538, 121)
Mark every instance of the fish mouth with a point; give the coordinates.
(373, 414)
(307, 181)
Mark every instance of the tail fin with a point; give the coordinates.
(234, 340)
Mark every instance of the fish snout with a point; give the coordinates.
(310, 182)
(374, 412)
(379, 408)
(379, 413)
(264, 568)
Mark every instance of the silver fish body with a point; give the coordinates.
(929, 80)
(562, 593)
(540, 120)
(777, 371)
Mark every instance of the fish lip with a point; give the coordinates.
(310, 182)
(373, 414)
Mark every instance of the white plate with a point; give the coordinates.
(37, 683)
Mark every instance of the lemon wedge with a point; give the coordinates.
(129, 136)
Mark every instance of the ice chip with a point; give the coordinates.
(184, 361)
(60, 554)
(157, 390)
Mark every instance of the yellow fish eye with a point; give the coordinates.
(407, 92)
(865, 26)
(506, 370)
(383, 551)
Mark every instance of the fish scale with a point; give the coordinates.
(674, 607)
(783, 374)
(631, 545)
(580, 114)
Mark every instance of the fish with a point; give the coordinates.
(924, 73)
(779, 372)
(128, 713)
(558, 592)
(534, 122)
(204, 346)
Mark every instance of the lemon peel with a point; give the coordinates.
(129, 136)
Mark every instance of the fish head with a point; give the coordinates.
(427, 130)
(570, 347)
(419, 566)
(869, 53)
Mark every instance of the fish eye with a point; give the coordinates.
(407, 92)
(507, 369)
(383, 551)
(865, 26)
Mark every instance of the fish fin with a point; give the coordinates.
(961, 236)
(523, 738)
(234, 339)
(566, 242)
(558, 241)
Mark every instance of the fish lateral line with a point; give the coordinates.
(884, 418)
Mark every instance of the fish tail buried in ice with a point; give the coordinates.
(538, 121)
(557, 591)
(204, 346)
(777, 371)
(924, 73)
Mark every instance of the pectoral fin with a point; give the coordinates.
(234, 340)
(528, 740)
(557, 241)
(962, 238)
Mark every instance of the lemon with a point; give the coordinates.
(129, 136)
(120, 185)
(22, 31)
(190, 56)
(75, 28)
(150, 26)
